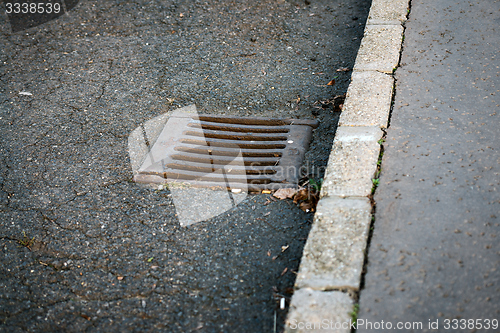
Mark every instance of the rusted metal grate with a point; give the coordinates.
(228, 152)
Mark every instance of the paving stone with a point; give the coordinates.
(319, 311)
(368, 101)
(334, 253)
(353, 162)
(380, 47)
(388, 12)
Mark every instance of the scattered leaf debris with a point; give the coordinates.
(336, 103)
(305, 198)
(85, 317)
(26, 241)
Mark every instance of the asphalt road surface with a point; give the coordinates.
(86, 249)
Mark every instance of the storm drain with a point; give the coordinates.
(236, 153)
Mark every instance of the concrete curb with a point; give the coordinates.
(331, 267)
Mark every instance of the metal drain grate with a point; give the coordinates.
(228, 152)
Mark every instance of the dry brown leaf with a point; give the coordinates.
(301, 195)
(331, 83)
(285, 193)
(306, 206)
(343, 69)
(307, 199)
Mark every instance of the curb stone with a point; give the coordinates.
(312, 307)
(368, 100)
(352, 162)
(379, 49)
(388, 12)
(333, 258)
(329, 276)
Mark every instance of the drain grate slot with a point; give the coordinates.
(205, 167)
(229, 151)
(224, 151)
(225, 160)
(240, 127)
(237, 135)
(231, 143)
(257, 120)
